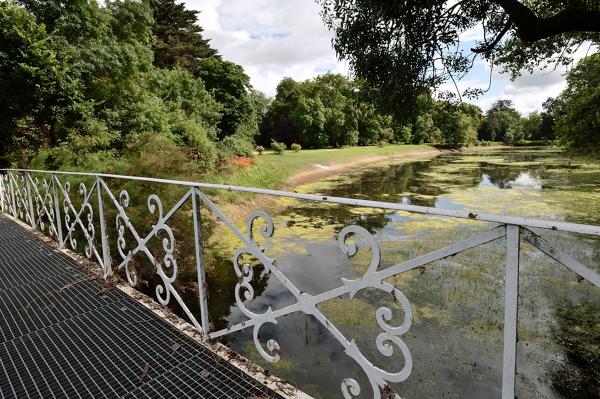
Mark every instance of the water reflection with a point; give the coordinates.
(524, 180)
(456, 339)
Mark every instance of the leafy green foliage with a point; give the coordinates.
(80, 84)
(238, 145)
(457, 124)
(577, 110)
(229, 85)
(425, 131)
(547, 131)
(329, 110)
(37, 87)
(295, 147)
(532, 125)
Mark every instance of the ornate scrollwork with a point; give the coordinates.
(21, 199)
(44, 204)
(122, 221)
(85, 209)
(351, 239)
(245, 272)
(391, 334)
(163, 292)
(245, 275)
(168, 243)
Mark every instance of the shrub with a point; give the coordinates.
(238, 145)
(196, 139)
(277, 147)
(295, 147)
(260, 149)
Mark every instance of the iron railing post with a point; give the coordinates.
(5, 206)
(28, 182)
(103, 234)
(2, 195)
(57, 217)
(12, 194)
(200, 265)
(511, 298)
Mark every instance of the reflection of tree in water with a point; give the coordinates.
(316, 218)
(500, 175)
(221, 280)
(578, 333)
(384, 184)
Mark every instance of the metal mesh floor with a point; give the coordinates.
(60, 338)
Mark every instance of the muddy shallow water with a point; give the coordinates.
(458, 303)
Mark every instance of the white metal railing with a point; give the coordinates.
(36, 196)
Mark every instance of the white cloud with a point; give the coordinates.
(271, 39)
(530, 90)
(526, 98)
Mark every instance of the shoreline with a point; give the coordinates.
(316, 172)
(313, 173)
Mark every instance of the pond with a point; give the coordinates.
(458, 303)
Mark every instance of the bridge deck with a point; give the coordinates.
(61, 337)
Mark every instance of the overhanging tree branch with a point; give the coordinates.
(531, 28)
(489, 47)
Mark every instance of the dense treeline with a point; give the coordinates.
(101, 87)
(333, 111)
(329, 110)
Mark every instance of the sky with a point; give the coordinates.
(273, 39)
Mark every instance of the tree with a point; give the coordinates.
(336, 93)
(425, 130)
(501, 119)
(179, 40)
(77, 20)
(329, 110)
(404, 48)
(372, 126)
(578, 107)
(79, 85)
(309, 117)
(403, 134)
(277, 124)
(230, 86)
(457, 125)
(546, 131)
(36, 83)
(532, 125)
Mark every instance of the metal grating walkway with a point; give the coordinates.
(60, 338)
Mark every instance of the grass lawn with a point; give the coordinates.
(272, 171)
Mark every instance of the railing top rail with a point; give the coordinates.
(460, 214)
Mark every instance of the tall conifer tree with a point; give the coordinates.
(179, 37)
